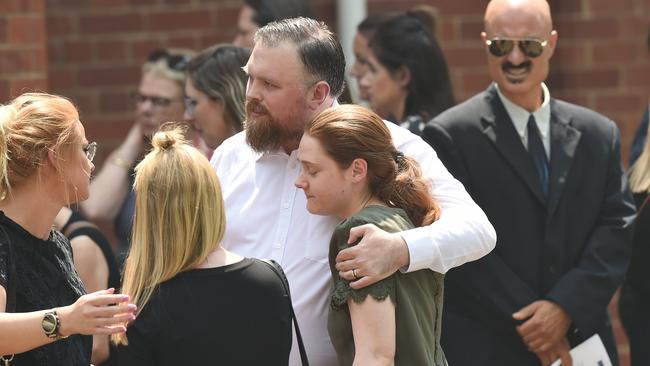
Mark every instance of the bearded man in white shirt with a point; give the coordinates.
(295, 71)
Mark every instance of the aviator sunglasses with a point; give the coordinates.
(530, 47)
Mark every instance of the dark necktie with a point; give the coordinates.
(537, 153)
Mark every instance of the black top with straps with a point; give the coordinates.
(41, 275)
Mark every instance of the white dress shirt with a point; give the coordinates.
(519, 117)
(267, 217)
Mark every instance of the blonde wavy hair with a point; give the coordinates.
(30, 126)
(179, 216)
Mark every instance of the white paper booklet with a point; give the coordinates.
(591, 352)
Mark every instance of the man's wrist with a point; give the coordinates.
(402, 255)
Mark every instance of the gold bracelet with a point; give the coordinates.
(122, 164)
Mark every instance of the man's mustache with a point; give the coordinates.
(253, 106)
(507, 65)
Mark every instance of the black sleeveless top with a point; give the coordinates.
(41, 275)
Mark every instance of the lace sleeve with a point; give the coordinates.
(342, 290)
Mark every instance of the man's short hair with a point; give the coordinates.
(318, 48)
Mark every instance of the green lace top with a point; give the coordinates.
(417, 297)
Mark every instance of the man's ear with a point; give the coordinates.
(359, 169)
(318, 93)
(402, 76)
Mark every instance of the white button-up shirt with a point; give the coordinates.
(519, 117)
(267, 217)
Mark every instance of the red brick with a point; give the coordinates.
(611, 7)
(140, 50)
(637, 76)
(620, 102)
(446, 31)
(21, 61)
(563, 6)
(26, 29)
(59, 25)
(468, 56)
(78, 51)
(110, 23)
(474, 82)
(61, 79)
(113, 102)
(111, 129)
(467, 7)
(3, 30)
(187, 42)
(471, 29)
(208, 40)
(616, 52)
(569, 53)
(172, 20)
(110, 50)
(570, 79)
(111, 3)
(22, 6)
(5, 94)
(226, 18)
(635, 27)
(21, 86)
(93, 76)
(597, 29)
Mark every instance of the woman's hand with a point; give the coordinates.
(101, 312)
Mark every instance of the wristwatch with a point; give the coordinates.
(51, 324)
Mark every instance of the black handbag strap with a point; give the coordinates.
(277, 269)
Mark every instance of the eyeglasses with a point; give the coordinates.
(174, 61)
(156, 102)
(90, 150)
(530, 47)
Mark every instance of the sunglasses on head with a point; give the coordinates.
(174, 61)
(502, 46)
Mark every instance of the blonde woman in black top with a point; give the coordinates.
(45, 164)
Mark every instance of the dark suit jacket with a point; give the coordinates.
(571, 248)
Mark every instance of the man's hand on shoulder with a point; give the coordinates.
(378, 255)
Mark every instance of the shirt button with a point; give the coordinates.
(285, 206)
(277, 245)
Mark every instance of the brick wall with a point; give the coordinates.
(23, 50)
(91, 51)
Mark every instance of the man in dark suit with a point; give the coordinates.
(548, 175)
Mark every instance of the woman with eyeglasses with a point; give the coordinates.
(405, 76)
(215, 92)
(45, 164)
(159, 99)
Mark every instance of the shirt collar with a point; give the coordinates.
(519, 115)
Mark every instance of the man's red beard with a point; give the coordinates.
(264, 133)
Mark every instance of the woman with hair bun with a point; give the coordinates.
(199, 304)
(351, 170)
(45, 164)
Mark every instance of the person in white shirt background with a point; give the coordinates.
(295, 71)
